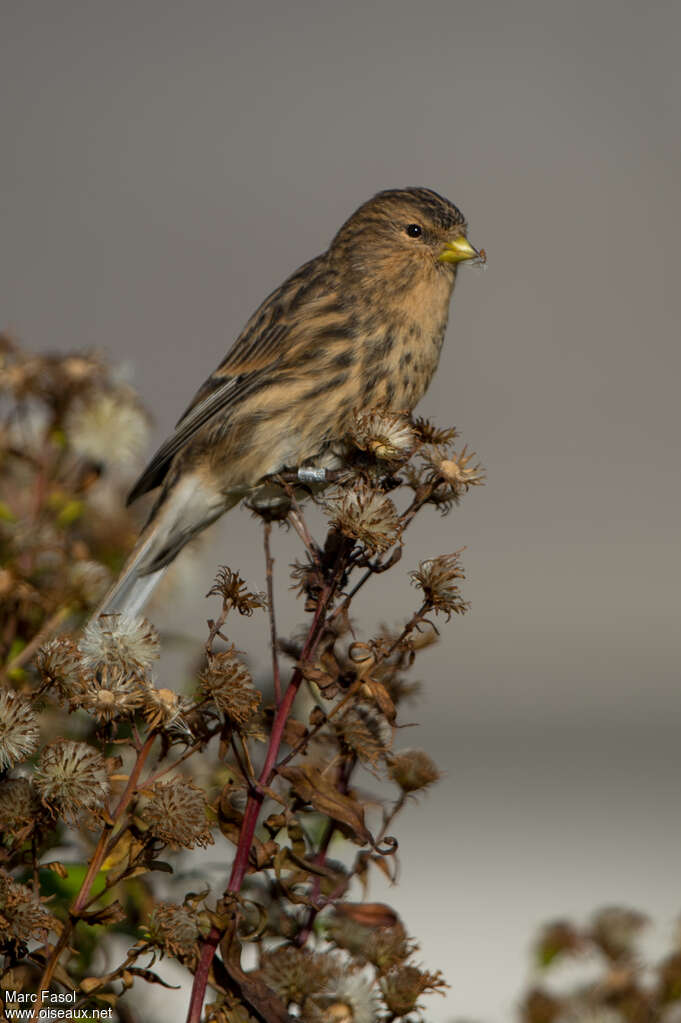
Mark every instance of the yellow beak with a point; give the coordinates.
(457, 251)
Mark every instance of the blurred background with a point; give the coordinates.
(165, 165)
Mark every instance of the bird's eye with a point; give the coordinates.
(414, 230)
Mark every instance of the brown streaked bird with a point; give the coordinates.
(360, 326)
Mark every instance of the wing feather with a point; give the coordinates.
(281, 324)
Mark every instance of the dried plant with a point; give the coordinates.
(619, 984)
(111, 778)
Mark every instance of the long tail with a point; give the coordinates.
(188, 508)
(134, 586)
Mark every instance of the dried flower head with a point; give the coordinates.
(22, 916)
(108, 693)
(436, 578)
(20, 374)
(366, 515)
(232, 588)
(383, 947)
(366, 731)
(558, 938)
(176, 814)
(412, 770)
(429, 433)
(402, 987)
(351, 1000)
(79, 371)
(119, 641)
(616, 929)
(388, 436)
(228, 684)
(108, 428)
(58, 662)
(163, 708)
(297, 973)
(19, 735)
(72, 778)
(19, 804)
(175, 930)
(227, 1009)
(456, 469)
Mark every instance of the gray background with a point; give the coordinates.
(165, 165)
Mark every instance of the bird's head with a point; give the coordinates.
(402, 238)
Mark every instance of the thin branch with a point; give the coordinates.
(405, 519)
(94, 867)
(256, 798)
(48, 630)
(296, 519)
(269, 566)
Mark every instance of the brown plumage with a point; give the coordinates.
(360, 326)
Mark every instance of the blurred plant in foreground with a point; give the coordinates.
(70, 435)
(106, 771)
(619, 985)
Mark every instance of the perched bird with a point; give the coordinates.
(361, 326)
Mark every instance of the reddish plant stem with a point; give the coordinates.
(123, 802)
(256, 798)
(200, 983)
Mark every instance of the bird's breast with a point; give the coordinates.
(403, 348)
(399, 365)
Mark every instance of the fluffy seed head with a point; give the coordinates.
(297, 973)
(72, 777)
(58, 662)
(366, 515)
(228, 684)
(19, 804)
(19, 735)
(120, 641)
(353, 1001)
(176, 814)
(21, 915)
(108, 693)
(413, 770)
(174, 929)
(108, 428)
(388, 436)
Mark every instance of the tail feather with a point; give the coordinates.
(130, 593)
(187, 509)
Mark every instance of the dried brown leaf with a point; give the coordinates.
(314, 788)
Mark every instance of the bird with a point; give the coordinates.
(358, 327)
